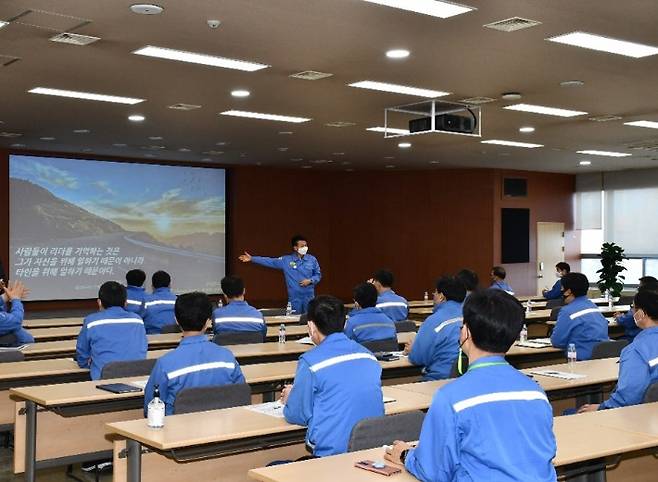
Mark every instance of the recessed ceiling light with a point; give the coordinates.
(572, 83)
(605, 153)
(510, 96)
(259, 115)
(222, 143)
(196, 58)
(118, 144)
(184, 149)
(240, 93)
(156, 138)
(540, 109)
(434, 8)
(643, 123)
(136, 118)
(85, 95)
(397, 54)
(605, 44)
(585, 163)
(285, 133)
(527, 130)
(398, 89)
(47, 138)
(146, 9)
(81, 131)
(389, 130)
(512, 143)
(404, 145)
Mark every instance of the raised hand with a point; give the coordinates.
(245, 258)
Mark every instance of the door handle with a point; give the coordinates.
(540, 276)
(541, 266)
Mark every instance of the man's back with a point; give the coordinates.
(580, 322)
(393, 305)
(159, 310)
(238, 316)
(135, 301)
(369, 324)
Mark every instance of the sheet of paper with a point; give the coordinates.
(532, 344)
(545, 341)
(305, 341)
(389, 399)
(13, 348)
(273, 409)
(558, 374)
(138, 383)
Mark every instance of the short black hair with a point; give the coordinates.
(494, 319)
(112, 294)
(576, 282)
(135, 277)
(647, 301)
(328, 314)
(451, 288)
(469, 279)
(499, 271)
(296, 239)
(562, 266)
(384, 277)
(192, 311)
(365, 294)
(160, 279)
(232, 286)
(648, 285)
(648, 280)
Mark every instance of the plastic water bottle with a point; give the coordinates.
(282, 333)
(571, 355)
(220, 303)
(523, 336)
(611, 303)
(155, 413)
(426, 297)
(528, 307)
(289, 309)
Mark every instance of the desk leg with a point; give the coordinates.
(30, 440)
(134, 460)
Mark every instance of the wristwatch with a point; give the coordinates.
(403, 455)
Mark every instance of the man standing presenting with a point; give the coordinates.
(301, 272)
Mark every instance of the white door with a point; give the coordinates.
(550, 251)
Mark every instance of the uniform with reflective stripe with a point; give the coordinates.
(238, 316)
(555, 292)
(436, 345)
(503, 286)
(369, 324)
(11, 322)
(393, 305)
(135, 303)
(110, 335)
(337, 384)
(159, 310)
(493, 423)
(631, 330)
(638, 369)
(580, 322)
(196, 362)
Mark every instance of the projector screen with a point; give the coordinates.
(75, 224)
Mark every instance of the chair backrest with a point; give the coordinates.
(626, 300)
(11, 356)
(608, 349)
(377, 431)
(391, 344)
(173, 328)
(238, 337)
(200, 399)
(454, 371)
(8, 340)
(652, 393)
(405, 326)
(273, 311)
(303, 319)
(555, 303)
(554, 313)
(130, 368)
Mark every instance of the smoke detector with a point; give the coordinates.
(146, 9)
(311, 75)
(512, 24)
(74, 39)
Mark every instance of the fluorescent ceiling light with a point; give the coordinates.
(434, 8)
(605, 44)
(527, 130)
(605, 153)
(258, 115)
(397, 54)
(512, 143)
(540, 109)
(643, 123)
(585, 163)
(85, 95)
(389, 130)
(240, 93)
(195, 58)
(398, 89)
(404, 145)
(136, 118)
(3, 24)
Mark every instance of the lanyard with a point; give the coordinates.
(487, 364)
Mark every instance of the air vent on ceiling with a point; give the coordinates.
(213, 153)
(7, 60)
(153, 148)
(648, 145)
(477, 100)
(311, 75)
(605, 118)
(340, 124)
(57, 22)
(74, 39)
(183, 106)
(10, 135)
(512, 24)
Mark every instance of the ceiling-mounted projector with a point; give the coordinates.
(444, 122)
(433, 116)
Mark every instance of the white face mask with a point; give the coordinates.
(558, 275)
(635, 320)
(303, 250)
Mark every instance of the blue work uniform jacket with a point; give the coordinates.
(494, 423)
(238, 316)
(159, 310)
(369, 324)
(555, 292)
(196, 362)
(108, 336)
(337, 384)
(11, 322)
(436, 345)
(135, 301)
(638, 369)
(631, 330)
(393, 305)
(580, 322)
(295, 269)
(502, 285)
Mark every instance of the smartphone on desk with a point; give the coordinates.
(378, 468)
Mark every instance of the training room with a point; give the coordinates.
(360, 240)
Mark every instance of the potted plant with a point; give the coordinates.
(610, 277)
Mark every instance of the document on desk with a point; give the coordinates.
(138, 383)
(558, 374)
(273, 409)
(305, 341)
(12, 348)
(538, 343)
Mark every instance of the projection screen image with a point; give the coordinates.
(75, 224)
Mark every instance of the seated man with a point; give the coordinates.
(135, 287)
(436, 346)
(11, 322)
(626, 320)
(498, 275)
(638, 364)
(197, 362)
(237, 315)
(561, 270)
(580, 321)
(393, 305)
(366, 322)
(159, 306)
(337, 383)
(493, 423)
(469, 279)
(112, 334)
